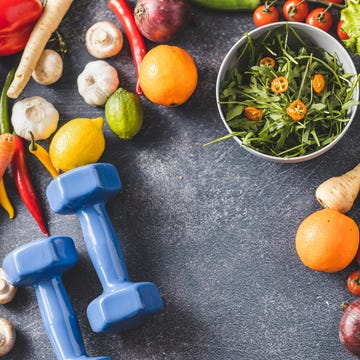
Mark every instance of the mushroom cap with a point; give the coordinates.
(104, 39)
(49, 67)
(7, 291)
(7, 336)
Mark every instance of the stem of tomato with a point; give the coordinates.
(324, 2)
(267, 5)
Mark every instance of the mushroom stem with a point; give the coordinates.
(7, 291)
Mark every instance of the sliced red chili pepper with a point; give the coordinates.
(279, 85)
(24, 185)
(253, 113)
(267, 61)
(136, 41)
(318, 83)
(297, 110)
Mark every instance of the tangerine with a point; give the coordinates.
(327, 240)
(168, 75)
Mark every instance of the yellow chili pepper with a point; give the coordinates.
(4, 200)
(43, 157)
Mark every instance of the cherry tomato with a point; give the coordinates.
(253, 113)
(295, 10)
(267, 61)
(279, 85)
(297, 110)
(264, 15)
(318, 83)
(320, 18)
(353, 282)
(341, 33)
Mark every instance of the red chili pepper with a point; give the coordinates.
(24, 185)
(17, 19)
(136, 41)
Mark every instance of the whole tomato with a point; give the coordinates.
(320, 18)
(353, 282)
(264, 15)
(295, 10)
(340, 32)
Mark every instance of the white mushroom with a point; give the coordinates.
(34, 114)
(7, 291)
(49, 68)
(98, 81)
(7, 336)
(104, 39)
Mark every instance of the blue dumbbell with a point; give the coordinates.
(40, 264)
(84, 191)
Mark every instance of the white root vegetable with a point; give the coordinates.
(7, 336)
(49, 68)
(36, 115)
(48, 22)
(340, 192)
(104, 39)
(97, 82)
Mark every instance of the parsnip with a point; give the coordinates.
(48, 22)
(340, 192)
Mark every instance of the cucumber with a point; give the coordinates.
(225, 5)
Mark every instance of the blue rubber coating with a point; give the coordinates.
(84, 191)
(40, 264)
(83, 186)
(40, 260)
(124, 307)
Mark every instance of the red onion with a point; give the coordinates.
(349, 328)
(161, 20)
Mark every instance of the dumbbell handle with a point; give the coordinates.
(103, 245)
(59, 319)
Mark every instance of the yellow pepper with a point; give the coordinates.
(43, 157)
(4, 200)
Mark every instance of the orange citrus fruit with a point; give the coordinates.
(168, 75)
(327, 240)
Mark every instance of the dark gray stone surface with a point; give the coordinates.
(213, 227)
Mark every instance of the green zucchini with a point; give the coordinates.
(226, 5)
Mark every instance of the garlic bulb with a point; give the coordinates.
(36, 115)
(97, 82)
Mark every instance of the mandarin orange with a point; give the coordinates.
(168, 75)
(327, 240)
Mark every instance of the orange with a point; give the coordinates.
(327, 240)
(168, 75)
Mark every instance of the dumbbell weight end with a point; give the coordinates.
(40, 264)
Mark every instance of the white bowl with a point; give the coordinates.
(318, 38)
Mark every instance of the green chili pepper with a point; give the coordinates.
(4, 107)
(226, 5)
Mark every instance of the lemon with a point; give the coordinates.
(124, 114)
(78, 142)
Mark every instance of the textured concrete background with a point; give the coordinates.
(213, 227)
